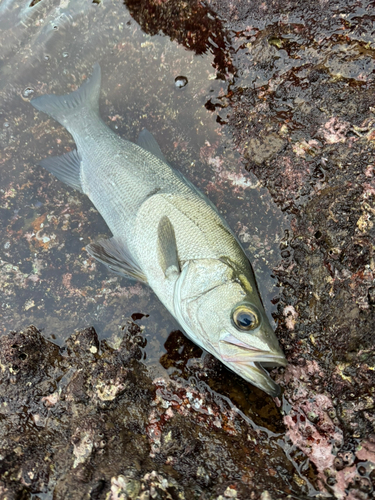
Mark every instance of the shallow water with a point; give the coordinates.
(46, 277)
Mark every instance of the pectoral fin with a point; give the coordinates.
(168, 258)
(116, 257)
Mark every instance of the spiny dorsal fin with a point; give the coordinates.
(168, 258)
(148, 142)
(116, 257)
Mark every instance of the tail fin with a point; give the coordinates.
(63, 108)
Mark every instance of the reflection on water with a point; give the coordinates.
(46, 277)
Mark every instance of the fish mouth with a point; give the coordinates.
(250, 363)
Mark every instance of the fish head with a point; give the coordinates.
(220, 310)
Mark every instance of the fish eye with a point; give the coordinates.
(245, 318)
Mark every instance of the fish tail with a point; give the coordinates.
(65, 108)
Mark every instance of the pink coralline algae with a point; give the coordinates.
(296, 175)
(290, 315)
(173, 397)
(312, 426)
(335, 130)
(302, 148)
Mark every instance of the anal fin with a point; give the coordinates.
(67, 168)
(115, 256)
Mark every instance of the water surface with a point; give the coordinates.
(47, 279)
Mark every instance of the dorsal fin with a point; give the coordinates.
(148, 142)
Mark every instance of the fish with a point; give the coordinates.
(166, 234)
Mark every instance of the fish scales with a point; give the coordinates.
(167, 234)
(129, 177)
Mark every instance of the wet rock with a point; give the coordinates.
(192, 24)
(261, 150)
(84, 343)
(324, 179)
(95, 424)
(24, 354)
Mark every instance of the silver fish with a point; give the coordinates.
(167, 234)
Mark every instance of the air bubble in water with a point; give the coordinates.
(180, 82)
(28, 92)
